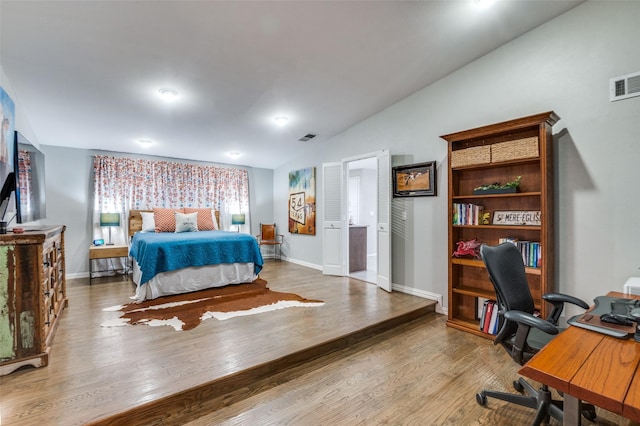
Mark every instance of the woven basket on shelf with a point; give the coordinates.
(514, 150)
(470, 156)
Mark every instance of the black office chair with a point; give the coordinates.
(520, 332)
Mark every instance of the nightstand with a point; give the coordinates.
(107, 252)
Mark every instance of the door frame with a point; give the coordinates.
(383, 282)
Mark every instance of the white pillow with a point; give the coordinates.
(215, 222)
(186, 222)
(148, 223)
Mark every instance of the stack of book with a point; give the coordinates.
(531, 251)
(489, 317)
(467, 214)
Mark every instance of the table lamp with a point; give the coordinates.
(110, 219)
(237, 219)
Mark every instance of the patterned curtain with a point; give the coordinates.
(121, 184)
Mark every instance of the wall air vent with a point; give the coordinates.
(307, 137)
(624, 87)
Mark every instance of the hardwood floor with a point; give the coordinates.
(306, 366)
(420, 373)
(156, 375)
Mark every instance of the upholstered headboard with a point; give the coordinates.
(135, 220)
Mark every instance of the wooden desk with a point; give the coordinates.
(592, 367)
(106, 252)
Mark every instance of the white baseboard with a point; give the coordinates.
(77, 275)
(424, 294)
(438, 298)
(301, 263)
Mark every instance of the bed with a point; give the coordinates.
(167, 263)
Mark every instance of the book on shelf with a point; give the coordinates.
(467, 214)
(493, 325)
(481, 304)
(489, 317)
(531, 251)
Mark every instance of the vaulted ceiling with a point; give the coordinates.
(87, 73)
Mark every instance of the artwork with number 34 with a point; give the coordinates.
(302, 201)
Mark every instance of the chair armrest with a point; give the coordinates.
(520, 350)
(531, 321)
(558, 300)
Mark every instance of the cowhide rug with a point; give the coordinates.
(187, 311)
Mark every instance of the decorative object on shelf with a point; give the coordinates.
(415, 180)
(486, 218)
(497, 188)
(238, 219)
(468, 248)
(110, 219)
(517, 217)
(515, 149)
(471, 156)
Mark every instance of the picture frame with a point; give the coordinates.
(415, 180)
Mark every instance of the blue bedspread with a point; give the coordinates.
(168, 251)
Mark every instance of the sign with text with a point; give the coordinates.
(517, 217)
(296, 207)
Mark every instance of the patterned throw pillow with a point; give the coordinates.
(206, 218)
(165, 219)
(186, 222)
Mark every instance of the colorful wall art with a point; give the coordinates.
(302, 201)
(7, 127)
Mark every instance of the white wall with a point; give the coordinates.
(565, 66)
(22, 121)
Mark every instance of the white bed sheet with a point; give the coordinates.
(192, 279)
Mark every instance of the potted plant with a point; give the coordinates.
(497, 188)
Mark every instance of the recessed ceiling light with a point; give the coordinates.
(281, 120)
(234, 154)
(145, 142)
(168, 94)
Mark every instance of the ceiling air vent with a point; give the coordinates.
(624, 87)
(307, 137)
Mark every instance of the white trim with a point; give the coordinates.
(373, 154)
(76, 275)
(424, 294)
(301, 263)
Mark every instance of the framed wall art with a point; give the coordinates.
(414, 180)
(302, 201)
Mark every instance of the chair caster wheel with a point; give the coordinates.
(518, 386)
(481, 398)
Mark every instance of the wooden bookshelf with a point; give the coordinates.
(499, 153)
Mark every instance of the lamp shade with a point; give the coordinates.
(237, 219)
(109, 219)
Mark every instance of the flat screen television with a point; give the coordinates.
(30, 181)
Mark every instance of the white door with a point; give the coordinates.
(332, 220)
(384, 220)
